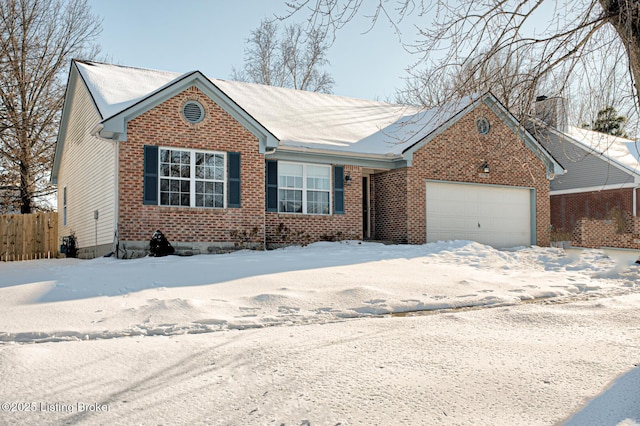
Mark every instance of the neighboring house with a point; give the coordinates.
(219, 164)
(603, 173)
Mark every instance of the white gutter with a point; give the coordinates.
(338, 153)
(635, 190)
(597, 188)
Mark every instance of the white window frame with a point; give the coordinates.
(305, 190)
(192, 177)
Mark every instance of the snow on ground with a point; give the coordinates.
(303, 336)
(73, 299)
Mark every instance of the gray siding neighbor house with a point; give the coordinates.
(603, 172)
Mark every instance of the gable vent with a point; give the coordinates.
(193, 112)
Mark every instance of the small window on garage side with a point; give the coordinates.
(193, 112)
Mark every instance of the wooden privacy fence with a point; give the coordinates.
(28, 236)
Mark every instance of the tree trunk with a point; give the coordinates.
(624, 16)
(25, 188)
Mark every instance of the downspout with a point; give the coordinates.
(96, 133)
(636, 148)
(116, 203)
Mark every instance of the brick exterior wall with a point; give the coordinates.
(372, 208)
(165, 126)
(621, 232)
(285, 229)
(598, 219)
(390, 206)
(456, 155)
(568, 209)
(397, 196)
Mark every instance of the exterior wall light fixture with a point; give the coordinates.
(347, 180)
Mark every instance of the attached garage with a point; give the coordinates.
(499, 216)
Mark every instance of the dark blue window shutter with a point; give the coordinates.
(272, 186)
(150, 175)
(338, 189)
(233, 178)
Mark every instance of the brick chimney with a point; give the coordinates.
(551, 111)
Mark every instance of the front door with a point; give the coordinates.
(365, 208)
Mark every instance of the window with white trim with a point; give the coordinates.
(304, 188)
(192, 178)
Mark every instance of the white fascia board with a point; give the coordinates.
(64, 120)
(553, 167)
(115, 127)
(407, 155)
(594, 188)
(338, 157)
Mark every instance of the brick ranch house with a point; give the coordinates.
(220, 164)
(597, 201)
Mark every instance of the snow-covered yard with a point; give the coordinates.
(317, 335)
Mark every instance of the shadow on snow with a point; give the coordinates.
(72, 279)
(619, 402)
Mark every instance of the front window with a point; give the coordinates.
(318, 183)
(303, 188)
(192, 178)
(209, 180)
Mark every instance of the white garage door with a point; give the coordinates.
(494, 215)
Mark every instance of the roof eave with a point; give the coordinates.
(72, 79)
(377, 161)
(602, 156)
(554, 168)
(115, 127)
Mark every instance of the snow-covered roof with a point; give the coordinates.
(296, 118)
(320, 121)
(624, 151)
(115, 88)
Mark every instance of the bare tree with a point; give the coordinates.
(294, 61)
(508, 78)
(596, 87)
(38, 40)
(262, 62)
(451, 34)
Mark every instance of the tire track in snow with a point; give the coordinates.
(292, 319)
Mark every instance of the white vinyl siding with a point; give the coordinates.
(88, 171)
(495, 215)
